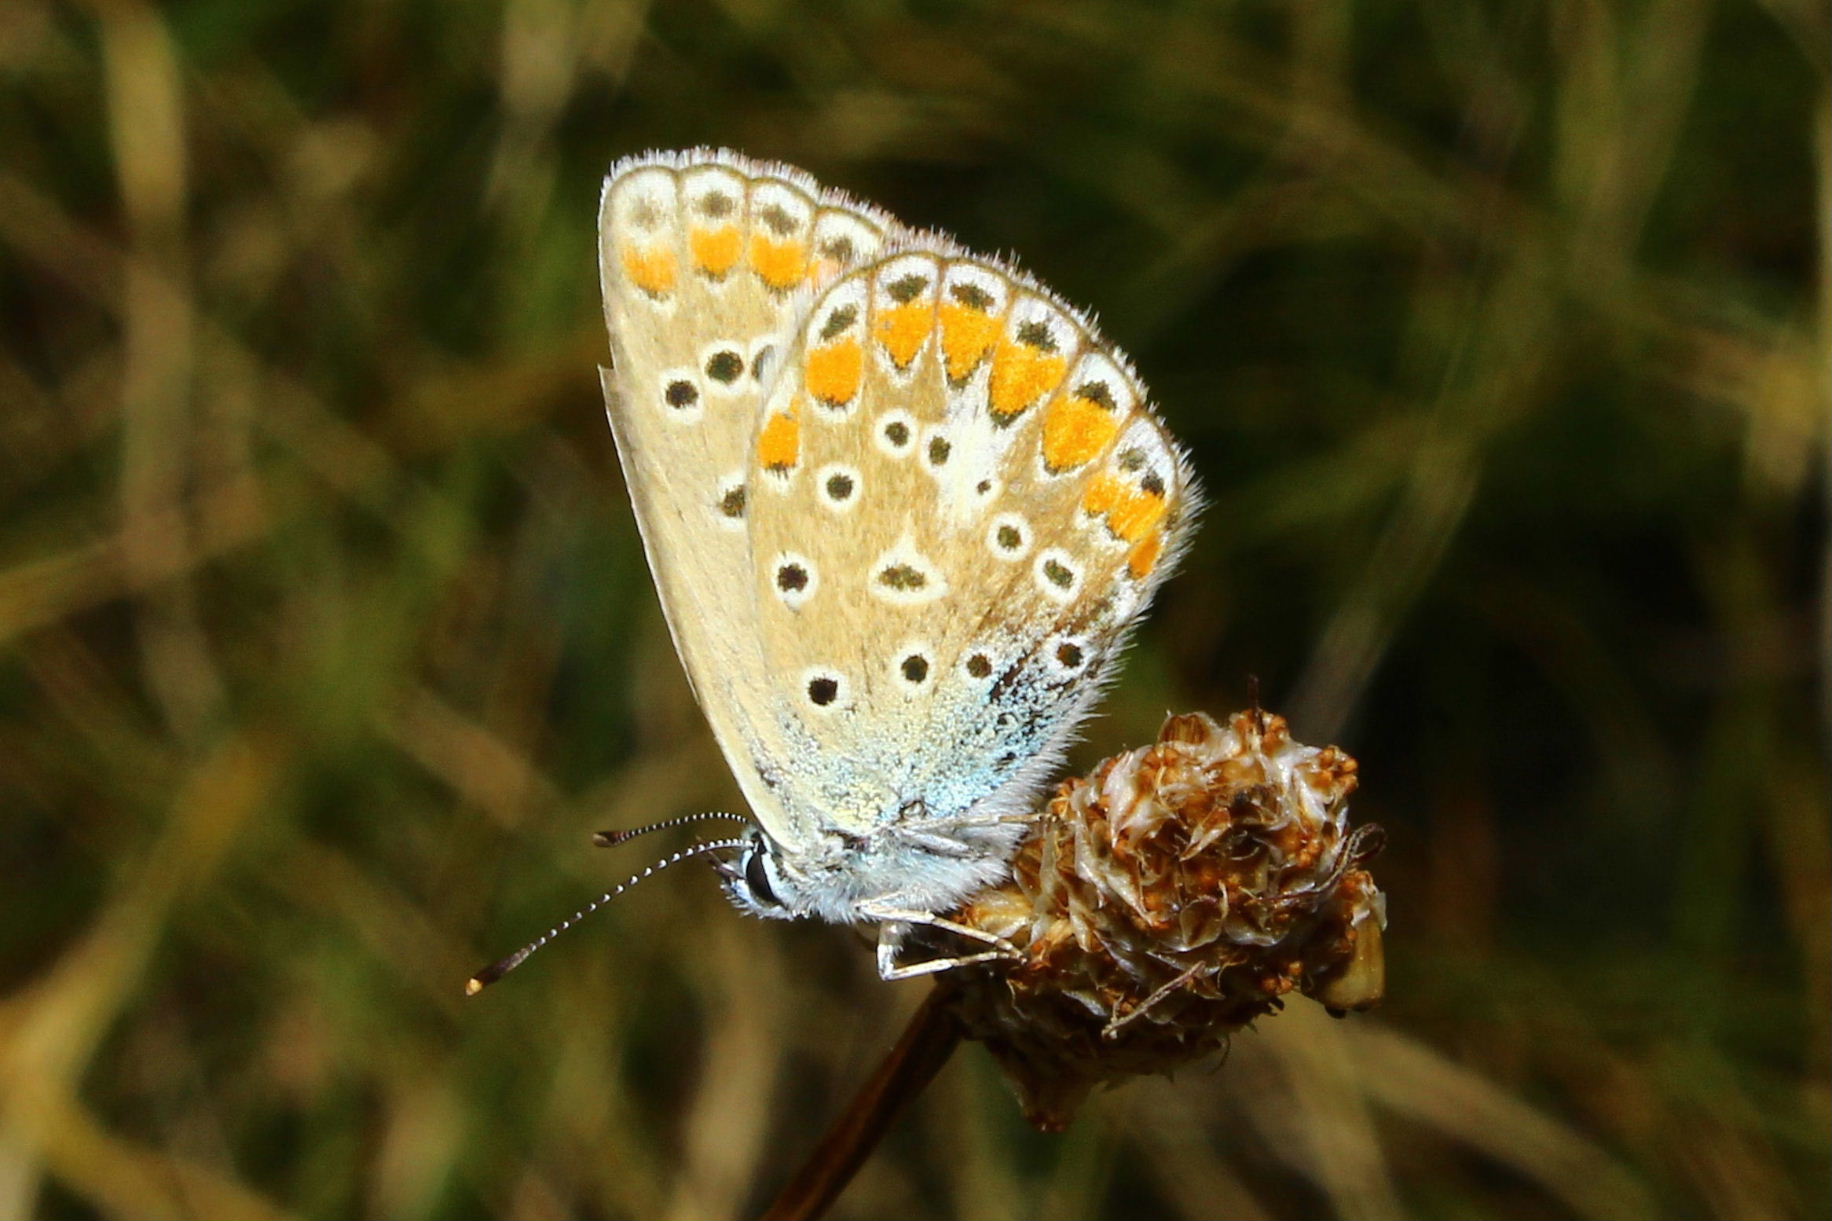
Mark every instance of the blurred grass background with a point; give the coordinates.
(1499, 332)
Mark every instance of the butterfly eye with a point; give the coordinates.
(757, 877)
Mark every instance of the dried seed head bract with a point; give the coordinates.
(1175, 895)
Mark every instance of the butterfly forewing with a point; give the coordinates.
(706, 259)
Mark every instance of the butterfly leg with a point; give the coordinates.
(895, 923)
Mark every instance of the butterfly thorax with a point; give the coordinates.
(844, 879)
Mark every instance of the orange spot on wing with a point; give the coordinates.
(1135, 513)
(1144, 556)
(1103, 492)
(779, 444)
(1021, 375)
(781, 264)
(1076, 430)
(902, 328)
(715, 251)
(833, 372)
(650, 268)
(966, 334)
(1130, 511)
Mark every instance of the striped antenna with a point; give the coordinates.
(502, 966)
(610, 839)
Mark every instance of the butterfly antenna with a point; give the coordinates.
(502, 966)
(610, 839)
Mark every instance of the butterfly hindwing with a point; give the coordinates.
(961, 502)
(706, 259)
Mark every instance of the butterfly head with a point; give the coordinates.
(756, 882)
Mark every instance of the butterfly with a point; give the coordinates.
(902, 506)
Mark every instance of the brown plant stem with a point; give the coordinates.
(927, 1042)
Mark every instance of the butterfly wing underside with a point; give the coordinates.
(960, 503)
(705, 260)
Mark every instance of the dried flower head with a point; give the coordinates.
(1169, 899)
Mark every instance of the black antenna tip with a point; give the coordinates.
(610, 839)
(490, 974)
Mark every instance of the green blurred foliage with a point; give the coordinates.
(1498, 331)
